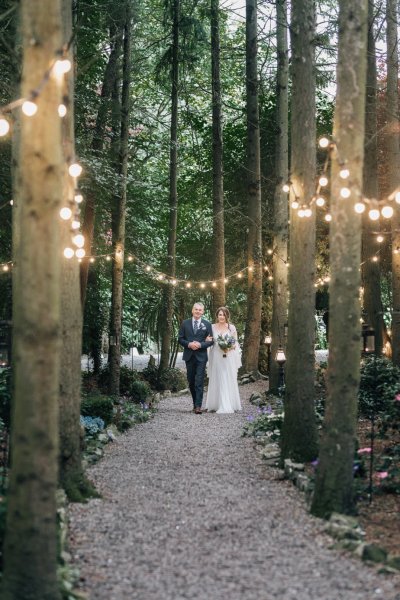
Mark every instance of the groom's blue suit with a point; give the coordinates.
(196, 360)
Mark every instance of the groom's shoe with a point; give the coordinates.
(197, 410)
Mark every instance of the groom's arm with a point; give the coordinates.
(209, 333)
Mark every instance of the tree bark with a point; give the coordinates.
(119, 209)
(393, 161)
(299, 436)
(334, 481)
(251, 346)
(168, 291)
(218, 293)
(371, 279)
(30, 548)
(281, 213)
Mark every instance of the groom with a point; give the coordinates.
(192, 336)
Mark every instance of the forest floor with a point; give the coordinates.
(189, 511)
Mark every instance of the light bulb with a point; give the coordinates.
(320, 201)
(323, 142)
(226, 280)
(270, 251)
(380, 239)
(375, 259)
(250, 269)
(78, 198)
(188, 285)
(359, 207)
(79, 240)
(65, 213)
(12, 202)
(373, 214)
(5, 268)
(307, 212)
(285, 187)
(239, 275)
(75, 170)
(397, 197)
(174, 282)
(323, 181)
(387, 212)
(345, 192)
(62, 66)
(344, 173)
(68, 252)
(80, 253)
(108, 258)
(301, 213)
(270, 278)
(202, 285)
(91, 259)
(148, 268)
(328, 218)
(29, 108)
(62, 110)
(4, 126)
(75, 224)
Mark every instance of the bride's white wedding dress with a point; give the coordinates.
(223, 390)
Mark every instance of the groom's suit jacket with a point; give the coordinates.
(187, 335)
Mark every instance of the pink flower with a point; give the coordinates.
(382, 474)
(397, 397)
(364, 451)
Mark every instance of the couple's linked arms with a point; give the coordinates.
(195, 345)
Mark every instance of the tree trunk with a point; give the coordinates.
(299, 439)
(168, 291)
(251, 346)
(280, 270)
(371, 280)
(120, 207)
(393, 161)
(218, 293)
(30, 548)
(110, 75)
(334, 482)
(71, 472)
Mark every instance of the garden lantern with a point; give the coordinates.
(281, 359)
(268, 342)
(368, 339)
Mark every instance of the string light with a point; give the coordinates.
(344, 173)
(323, 181)
(91, 259)
(301, 213)
(380, 239)
(375, 259)
(188, 284)
(80, 253)
(324, 142)
(4, 126)
(75, 224)
(286, 187)
(307, 212)
(373, 214)
(75, 170)
(295, 205)
(359, 207)
(62, 110)
(68, 252)
(397, 197)
(345, 192)
(387, 212)
(61, 67)
(78, 198)
(320, 201)
(29, 108)
(328, 217)
(65, 213)
(79, 240)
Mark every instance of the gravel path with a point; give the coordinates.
(189, 513)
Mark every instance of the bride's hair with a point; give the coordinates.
(225, 311)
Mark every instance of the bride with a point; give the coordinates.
(223, 390)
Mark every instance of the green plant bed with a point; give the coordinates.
(97, 405)
(127, 377)
(170, 379)
(379, 384)
(140, 392)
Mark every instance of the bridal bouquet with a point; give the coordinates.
(226, 342)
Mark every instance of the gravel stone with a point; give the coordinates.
(189, 512)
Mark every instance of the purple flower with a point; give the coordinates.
(315, 462)
(250, 418)
(269, 409)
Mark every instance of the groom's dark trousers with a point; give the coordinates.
(195, 360)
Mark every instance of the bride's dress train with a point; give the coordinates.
(223, 391)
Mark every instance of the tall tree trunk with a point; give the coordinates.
(168, 291)
(334, 489)
(30, 548)
(251, 346)
(110, 75)
(393, 159)
(120, 207)
(72, 477)
(299, 439)
(218, 294)
(371, 270)
(280, 287)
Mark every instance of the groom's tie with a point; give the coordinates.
(195, 327)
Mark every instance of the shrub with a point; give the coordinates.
(140, 391)
(379, 383)
(127, 377)
(97, 405)
(267, 424)
(170, 379)
(92, 425)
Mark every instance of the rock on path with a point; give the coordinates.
(189, 513)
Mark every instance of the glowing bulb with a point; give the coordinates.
(301, 213)
(188, 285)
(380, 239)
(345, 192)
(214, 284)
(80, 253)
(78, 198)
(286, 188)
(307, 212)
(239, 276)
(62, 110)
(161, 277)
(148, 268)
(327, 279)
(5, 268)
(12, 202)
(174, 282)
(29, 108)
(323, 181)
(359, 207)
(270, 278)
(75, 170)
(295, 205)
(65, 213)
(79, 240)
(62, 66)
(202, 285)
(68, 252)
(323, 142)
(270, 251)
(344, 173)
(373, 214)
(250, 269)
(91, 259)
(374, 259)
(320, 201)
(387, 212)
(397, 197)
(226, 280)
(328, 218)
(108, 258)
(4, 126)
(75, 224)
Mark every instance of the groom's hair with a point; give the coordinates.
(198, 304)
